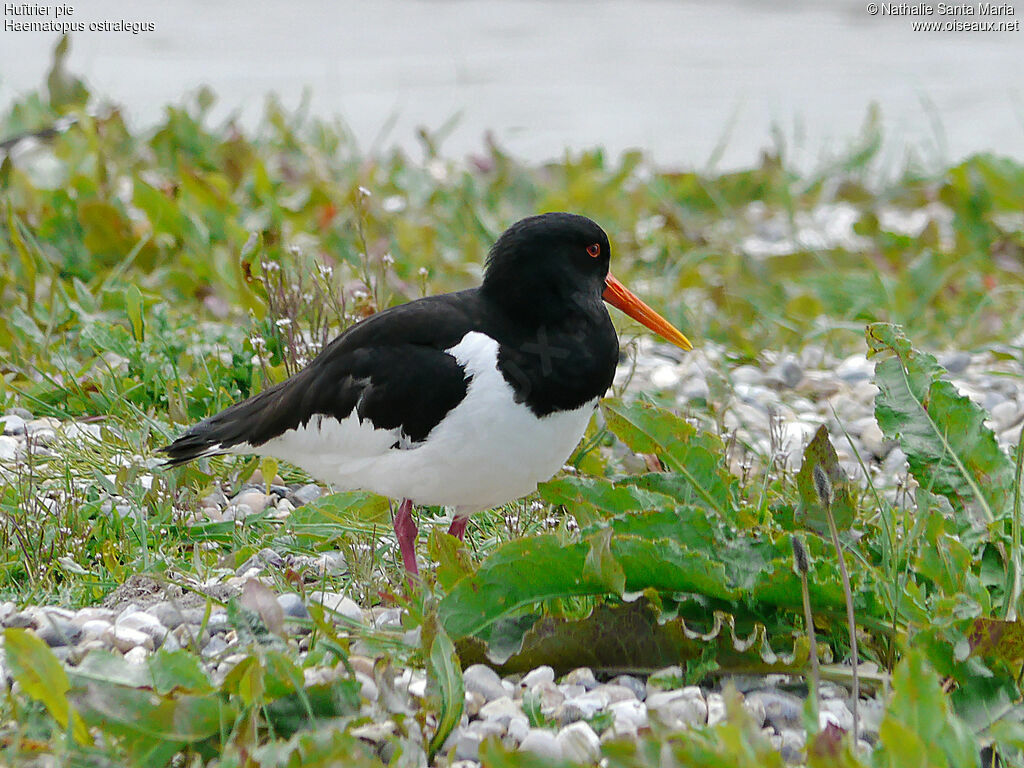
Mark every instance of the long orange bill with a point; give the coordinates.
(620, 297)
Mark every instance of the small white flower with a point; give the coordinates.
(363, 191)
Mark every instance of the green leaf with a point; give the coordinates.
(134, 309)
(919, 728)
(695, 459)
(41, 675)
(821, 453)
(445, 669)
(501, 584)
(600, 564)
(948, 446)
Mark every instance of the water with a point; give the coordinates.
(675, 78)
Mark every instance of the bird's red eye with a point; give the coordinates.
(594, 250)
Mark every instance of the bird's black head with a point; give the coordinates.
(548, 263)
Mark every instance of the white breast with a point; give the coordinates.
(486, 451)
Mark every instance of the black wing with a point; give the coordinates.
(391, 368)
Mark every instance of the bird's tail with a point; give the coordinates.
(236, 427)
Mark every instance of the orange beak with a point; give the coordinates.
(620, 297)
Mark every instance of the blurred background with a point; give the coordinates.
(696, 84)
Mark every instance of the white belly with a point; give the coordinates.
(486, 451)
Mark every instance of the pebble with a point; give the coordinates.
(305, 494)
(125, 638)
(678, 709)
(782, 710)
(8, 448)
(543, 674)
(579, 743)
(58, 631)
(292, 605)
(542, 743)
(12, 424)
(482, 679)
(583, 676)
(145, 623)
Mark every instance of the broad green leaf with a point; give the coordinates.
(919, 728)
(502, 584)
(136, 312)
(600, 564)
(948, 446)
(587, 497)
(821, 453)
(453, 561)
(695, 459)
(178, 671)
(445, 669)
(41, 675)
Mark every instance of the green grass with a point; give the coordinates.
(150, 278)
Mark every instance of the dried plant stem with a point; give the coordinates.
(824, 488)
(803, 566)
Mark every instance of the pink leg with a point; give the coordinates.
(405, 532)
(458, 527)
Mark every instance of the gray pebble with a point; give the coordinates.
(955, 362)
(58, 631)
(344, 606)
(125, 638)
(782, 710)
(678, 709)
(791, 745)
(482, 679)
(265, 558)
(468, 740)
(257, 501)
(716, 708)
(667, 679)
(543, 674)
(146, 623)
(215, 646)
(629, 715)
(581, 676)
(305, 494)
(171, 614)
(1005, 415)
(20, 620)
(542, 743)
(579, 743)
(8, 448)
(292, 605)
(636, 685)
(500, 710)
(12, 424)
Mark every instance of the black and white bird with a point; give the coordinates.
(464, 400)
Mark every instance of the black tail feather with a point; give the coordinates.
(244, 422)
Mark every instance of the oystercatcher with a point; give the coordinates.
(464, 400)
